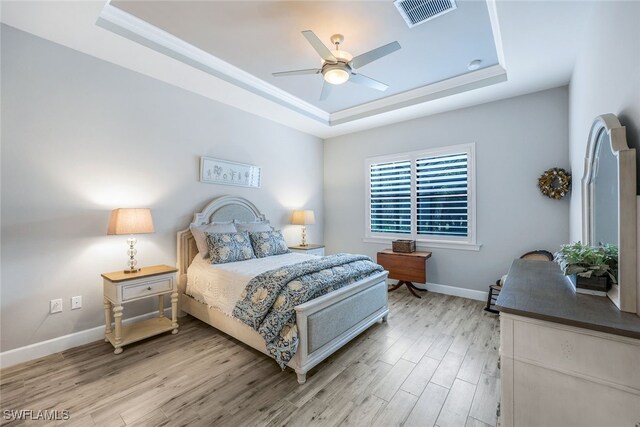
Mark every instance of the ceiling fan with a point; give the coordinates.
(339, 66)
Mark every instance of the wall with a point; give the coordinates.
(606, 79)
(516, 140)
(80, 137)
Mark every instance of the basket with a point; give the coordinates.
(404, 246)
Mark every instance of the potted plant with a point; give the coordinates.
(591, 268)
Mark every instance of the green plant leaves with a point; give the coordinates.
(586, 261)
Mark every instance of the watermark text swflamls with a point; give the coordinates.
(35, 415)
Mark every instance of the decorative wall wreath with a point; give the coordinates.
(555, 183)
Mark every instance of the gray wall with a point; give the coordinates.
(80, 137)
(516, 140)
(606, 79)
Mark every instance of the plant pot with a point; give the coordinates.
(594, 283)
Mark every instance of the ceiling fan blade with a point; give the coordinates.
(326, 90)
(322, 50)
(368, 81)
(372, 55)
(297, 72)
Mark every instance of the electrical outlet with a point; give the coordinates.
(76, 302)
(55, 305)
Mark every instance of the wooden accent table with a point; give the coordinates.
(406, 268)
(120, 287)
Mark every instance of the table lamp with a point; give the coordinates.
(303, 218)
(131, 221)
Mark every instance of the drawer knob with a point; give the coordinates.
(148, 288)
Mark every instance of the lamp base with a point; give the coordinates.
(131, 241)
(304, 236)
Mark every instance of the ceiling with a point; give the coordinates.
(261, 37)
(535, 41)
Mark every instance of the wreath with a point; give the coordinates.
(555, 183)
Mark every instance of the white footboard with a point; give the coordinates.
(327, 323)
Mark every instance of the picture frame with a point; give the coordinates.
(218, 171)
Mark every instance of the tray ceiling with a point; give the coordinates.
(261, 37)
(537, 41)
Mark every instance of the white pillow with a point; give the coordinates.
(253, 227)
(215, 227)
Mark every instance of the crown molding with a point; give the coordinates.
(465, 82)
(133, 28)
(138, 30)
(495, 29)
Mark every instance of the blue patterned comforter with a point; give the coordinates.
(267, 303)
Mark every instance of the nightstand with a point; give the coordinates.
(120, 288)
(308, 249)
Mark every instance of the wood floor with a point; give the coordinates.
(433, 363)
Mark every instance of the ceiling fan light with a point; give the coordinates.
(336, 76)
(342, 55)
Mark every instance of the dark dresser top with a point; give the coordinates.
(539, 290)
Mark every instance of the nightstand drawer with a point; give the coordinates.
(149, 287)
(317, 250)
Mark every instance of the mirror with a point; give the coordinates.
(605, 193)
(609, 203)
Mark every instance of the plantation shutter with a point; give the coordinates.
(442, 193)
(390, 192)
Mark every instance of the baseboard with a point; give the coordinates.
(452, 290)
(458, 292)
(56, 345)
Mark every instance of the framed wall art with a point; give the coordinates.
(217, 171)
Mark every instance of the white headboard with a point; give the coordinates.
(221, 209)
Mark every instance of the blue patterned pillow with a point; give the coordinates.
(229, 247)
(267, 243)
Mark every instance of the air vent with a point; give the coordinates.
(416, 12)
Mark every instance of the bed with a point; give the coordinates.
(324, 324)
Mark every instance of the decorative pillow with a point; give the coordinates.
(199, 231)
(229, 247)
(253, 227)
(267, 243)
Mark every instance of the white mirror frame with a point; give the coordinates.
(625, 295)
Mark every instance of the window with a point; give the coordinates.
(391, 197)
(427, 195)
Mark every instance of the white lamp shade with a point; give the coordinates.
(303, 217)
(130, 221)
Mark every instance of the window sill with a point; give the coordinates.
(421, 245)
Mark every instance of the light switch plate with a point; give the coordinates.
(76, 302)
(55, 305)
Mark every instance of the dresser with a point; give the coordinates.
(566, 359)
